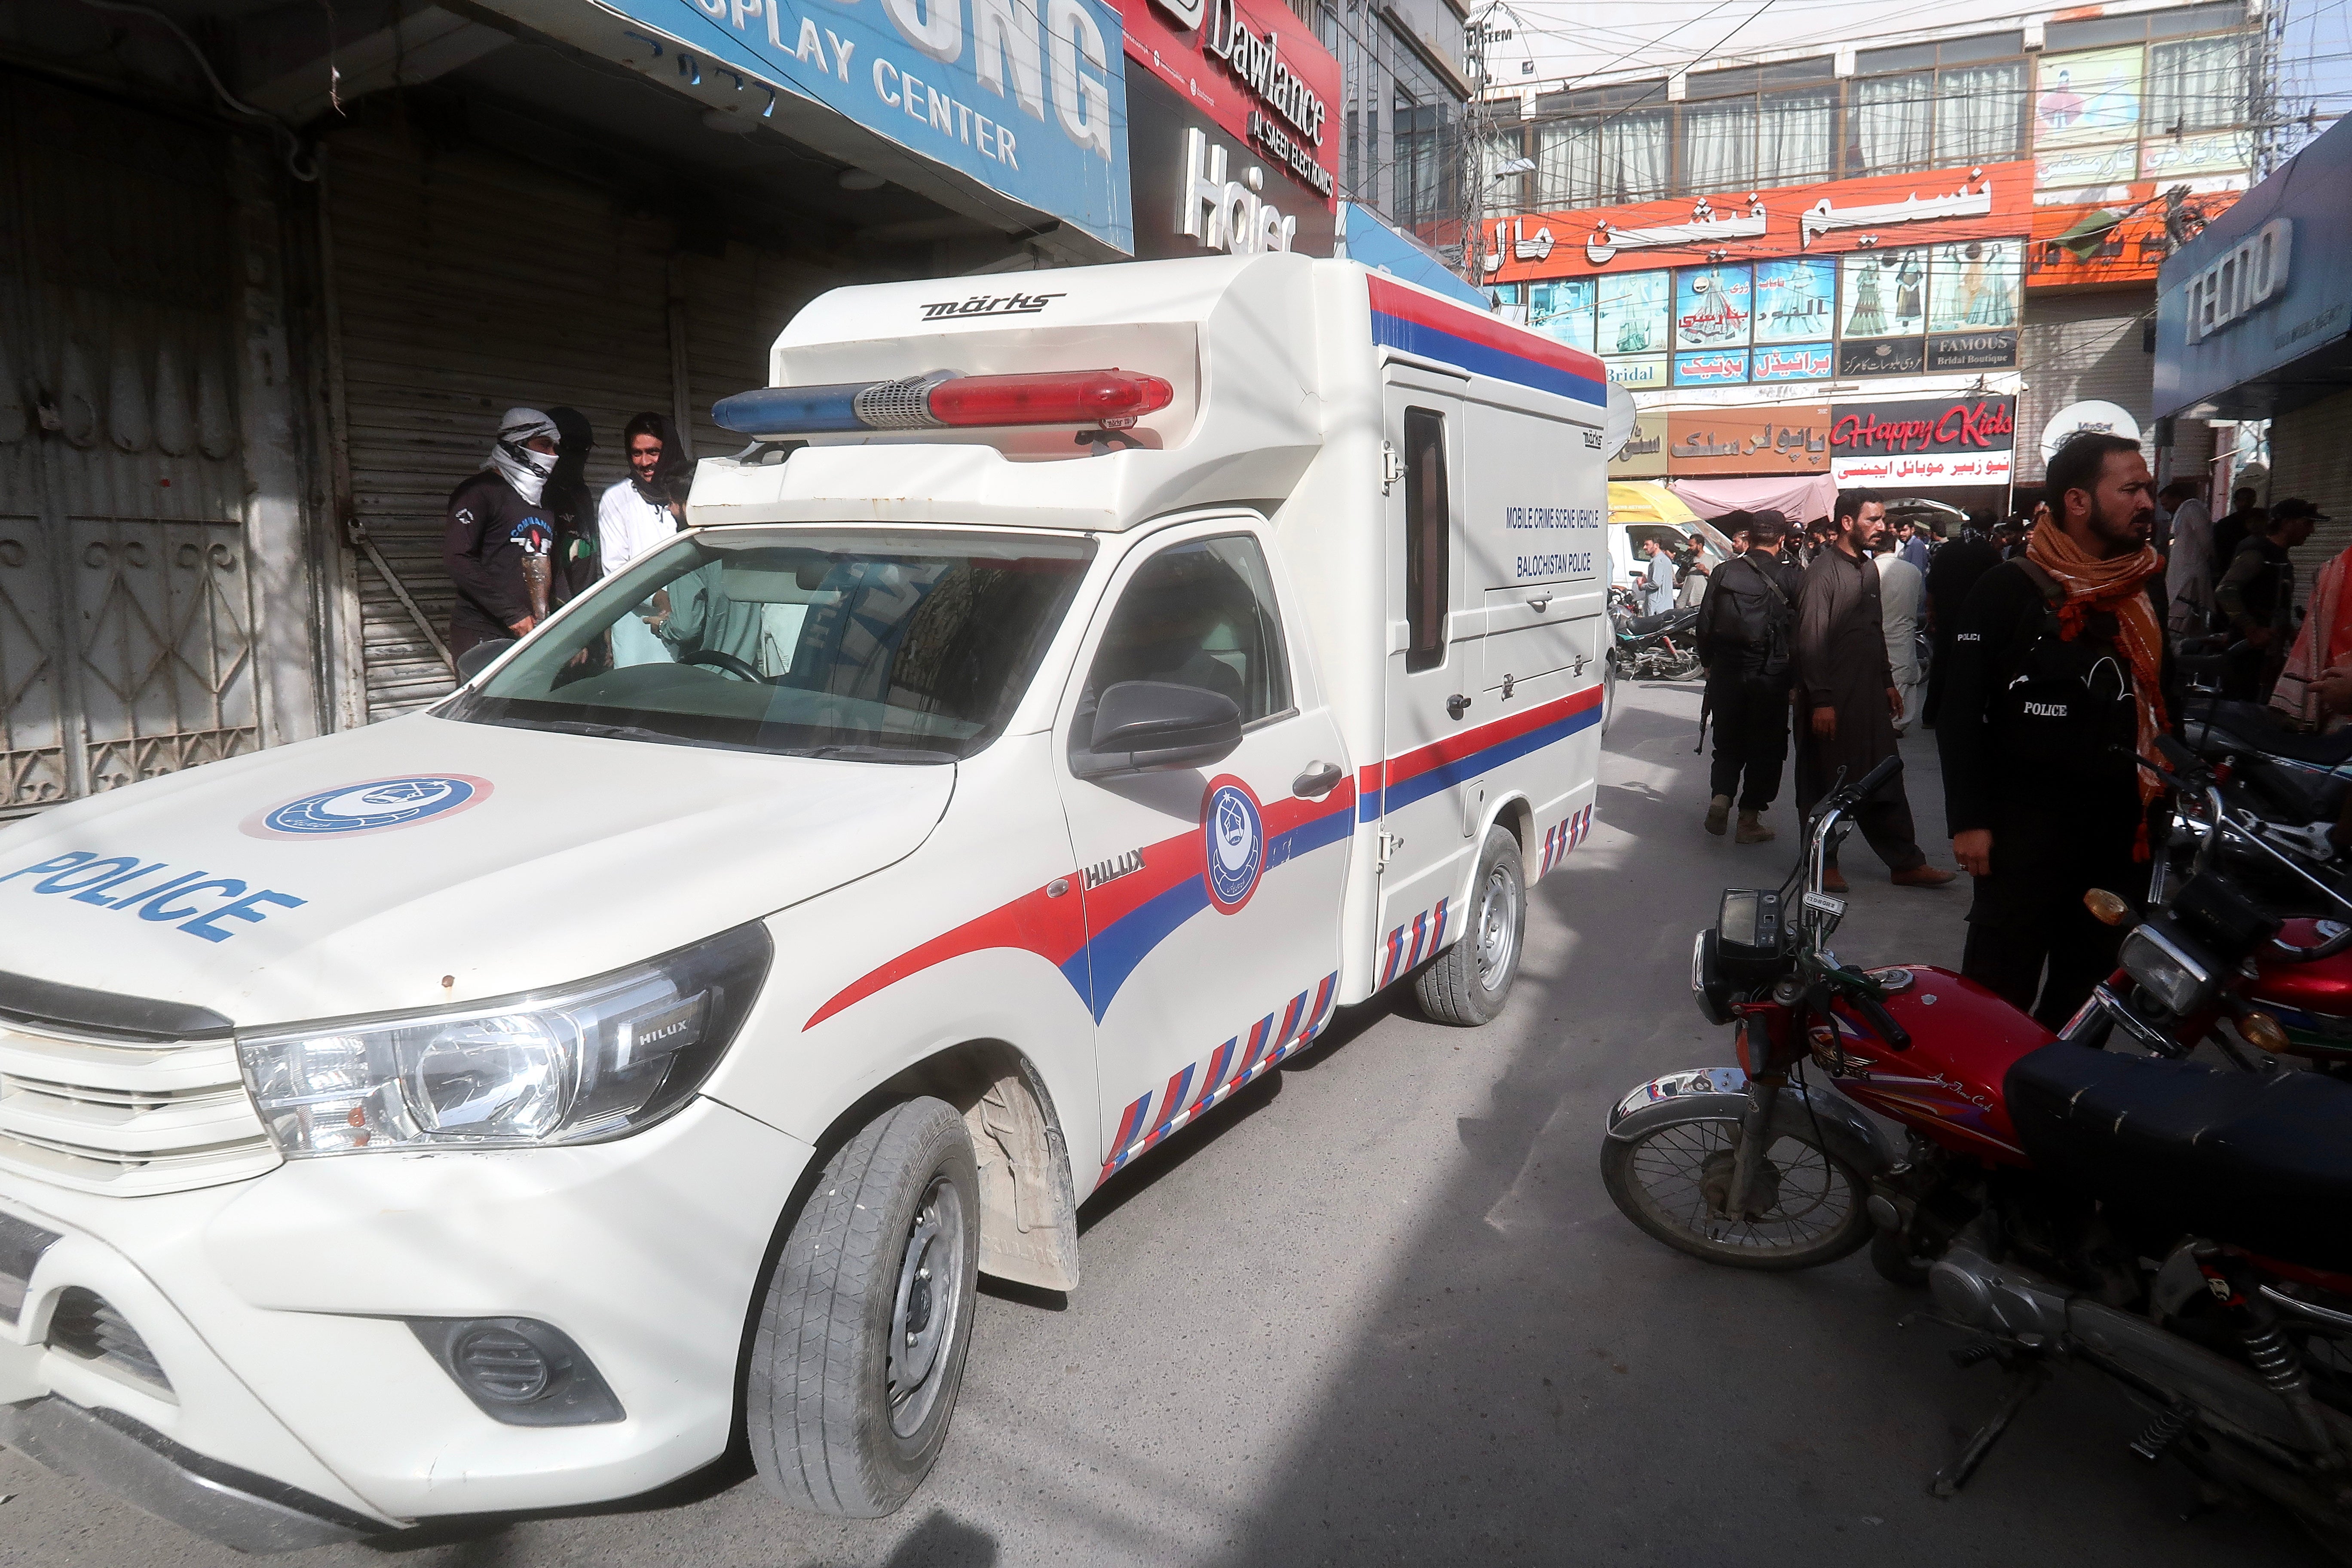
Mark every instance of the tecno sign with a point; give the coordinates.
(1228, 215)
(1928, 424)
(2251, 273)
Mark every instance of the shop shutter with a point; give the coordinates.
(2074, 348)
(126, 643)
(2311, 457)
(466, 283)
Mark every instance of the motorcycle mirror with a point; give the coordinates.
(2107, 908)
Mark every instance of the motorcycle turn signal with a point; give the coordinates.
(2107, 908)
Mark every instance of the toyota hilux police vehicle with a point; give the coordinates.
(1074, 693)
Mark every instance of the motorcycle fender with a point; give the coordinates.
(1720, 1094)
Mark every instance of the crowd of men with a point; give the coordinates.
(528, 532)
(2052, 675)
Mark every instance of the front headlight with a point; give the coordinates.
(2163, 969)
(578, 1062)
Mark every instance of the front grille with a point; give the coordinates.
(86, 1324)
(123, 1117)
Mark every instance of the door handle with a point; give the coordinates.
(1540, 603)
(1456, 705)
(1322, 778)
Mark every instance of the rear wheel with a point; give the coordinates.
(863, 1335)
(1467, 984)
(1674, 1178)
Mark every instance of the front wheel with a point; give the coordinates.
(1468, 983)
(1673, 1179)
(862, 1337)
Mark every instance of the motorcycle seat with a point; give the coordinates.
(2261, 1160)
(2247, 726)
(1645, 626)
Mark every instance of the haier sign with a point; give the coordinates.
(1027, 97)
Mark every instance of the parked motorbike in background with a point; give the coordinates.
(2185, 1233)
(1650, 647)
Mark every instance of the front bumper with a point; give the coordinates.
(276, 1308)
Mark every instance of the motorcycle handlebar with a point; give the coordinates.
(1896, 1036)
(1886, 769)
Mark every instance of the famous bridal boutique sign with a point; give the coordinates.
(1967, 440)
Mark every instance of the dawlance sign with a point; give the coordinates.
(1257, 74)
(1959, 440)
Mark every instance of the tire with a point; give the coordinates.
(1891, 1255)
(1467, 984)
(837, 1425)
(1658, 1179)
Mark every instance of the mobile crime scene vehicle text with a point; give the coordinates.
(1074, 692)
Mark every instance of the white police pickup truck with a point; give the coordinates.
(492, 1108)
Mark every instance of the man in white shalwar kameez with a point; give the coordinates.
(1902, 591)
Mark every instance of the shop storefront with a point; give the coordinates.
(2254, 321)
(260, 350)
(1229, 131)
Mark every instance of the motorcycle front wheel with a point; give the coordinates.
(1672, 1179)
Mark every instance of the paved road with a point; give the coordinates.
(1379, 1311)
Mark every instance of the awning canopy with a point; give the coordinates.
(1798, 498)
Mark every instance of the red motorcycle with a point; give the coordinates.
(2182, 1231)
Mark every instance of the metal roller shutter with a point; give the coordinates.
(466, 284)
(2076, 347)
(2311, 457)
(735, 306)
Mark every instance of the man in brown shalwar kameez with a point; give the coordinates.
(1846, 696)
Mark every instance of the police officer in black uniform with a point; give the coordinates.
(1743, 640)
(2039, 728)
(501, 534)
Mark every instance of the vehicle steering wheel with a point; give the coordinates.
(728, 662)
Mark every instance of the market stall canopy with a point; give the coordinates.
(1800, 498)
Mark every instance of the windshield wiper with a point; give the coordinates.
(632, 732)
(874, 753)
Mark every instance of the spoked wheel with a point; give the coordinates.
(1674, 1179)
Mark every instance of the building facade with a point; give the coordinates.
(1967, 223)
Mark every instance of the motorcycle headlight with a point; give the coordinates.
(2164, 969)
(592, 1060)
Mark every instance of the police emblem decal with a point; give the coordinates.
(369, 807)
(1233, 832)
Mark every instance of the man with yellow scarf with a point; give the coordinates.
(2060, 672)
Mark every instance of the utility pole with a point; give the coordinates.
(1476, 36)
(2265, 110)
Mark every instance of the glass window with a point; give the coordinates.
(1982, 46)
(1422, 188)
(2093, 31)
(1635, 156)
(874, 644)
(1980, 113)
(1568, 162)
(1796, 137)
(1199, 614)
(2196, 19)
(1427, 539)
(1720, 145)
(1893, 119)
(2199, 84)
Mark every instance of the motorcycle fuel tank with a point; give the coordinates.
(2312, 1001)
(1947, 1085)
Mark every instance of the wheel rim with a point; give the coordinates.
(1680, 1170)
(1498, 927)
(929, 1307)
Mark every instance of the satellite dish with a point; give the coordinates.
(1617, 429)
(2106, 419)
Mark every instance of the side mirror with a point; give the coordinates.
(480, 656)
(1142, 726)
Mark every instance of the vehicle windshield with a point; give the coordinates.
(900, 646)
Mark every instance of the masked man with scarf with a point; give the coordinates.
(501, 535)
(2060, 672)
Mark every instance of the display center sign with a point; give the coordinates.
(1967, 440)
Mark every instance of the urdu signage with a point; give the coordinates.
(1924, 441)
(1789, 438)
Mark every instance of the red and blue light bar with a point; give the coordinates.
(1100, 399)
